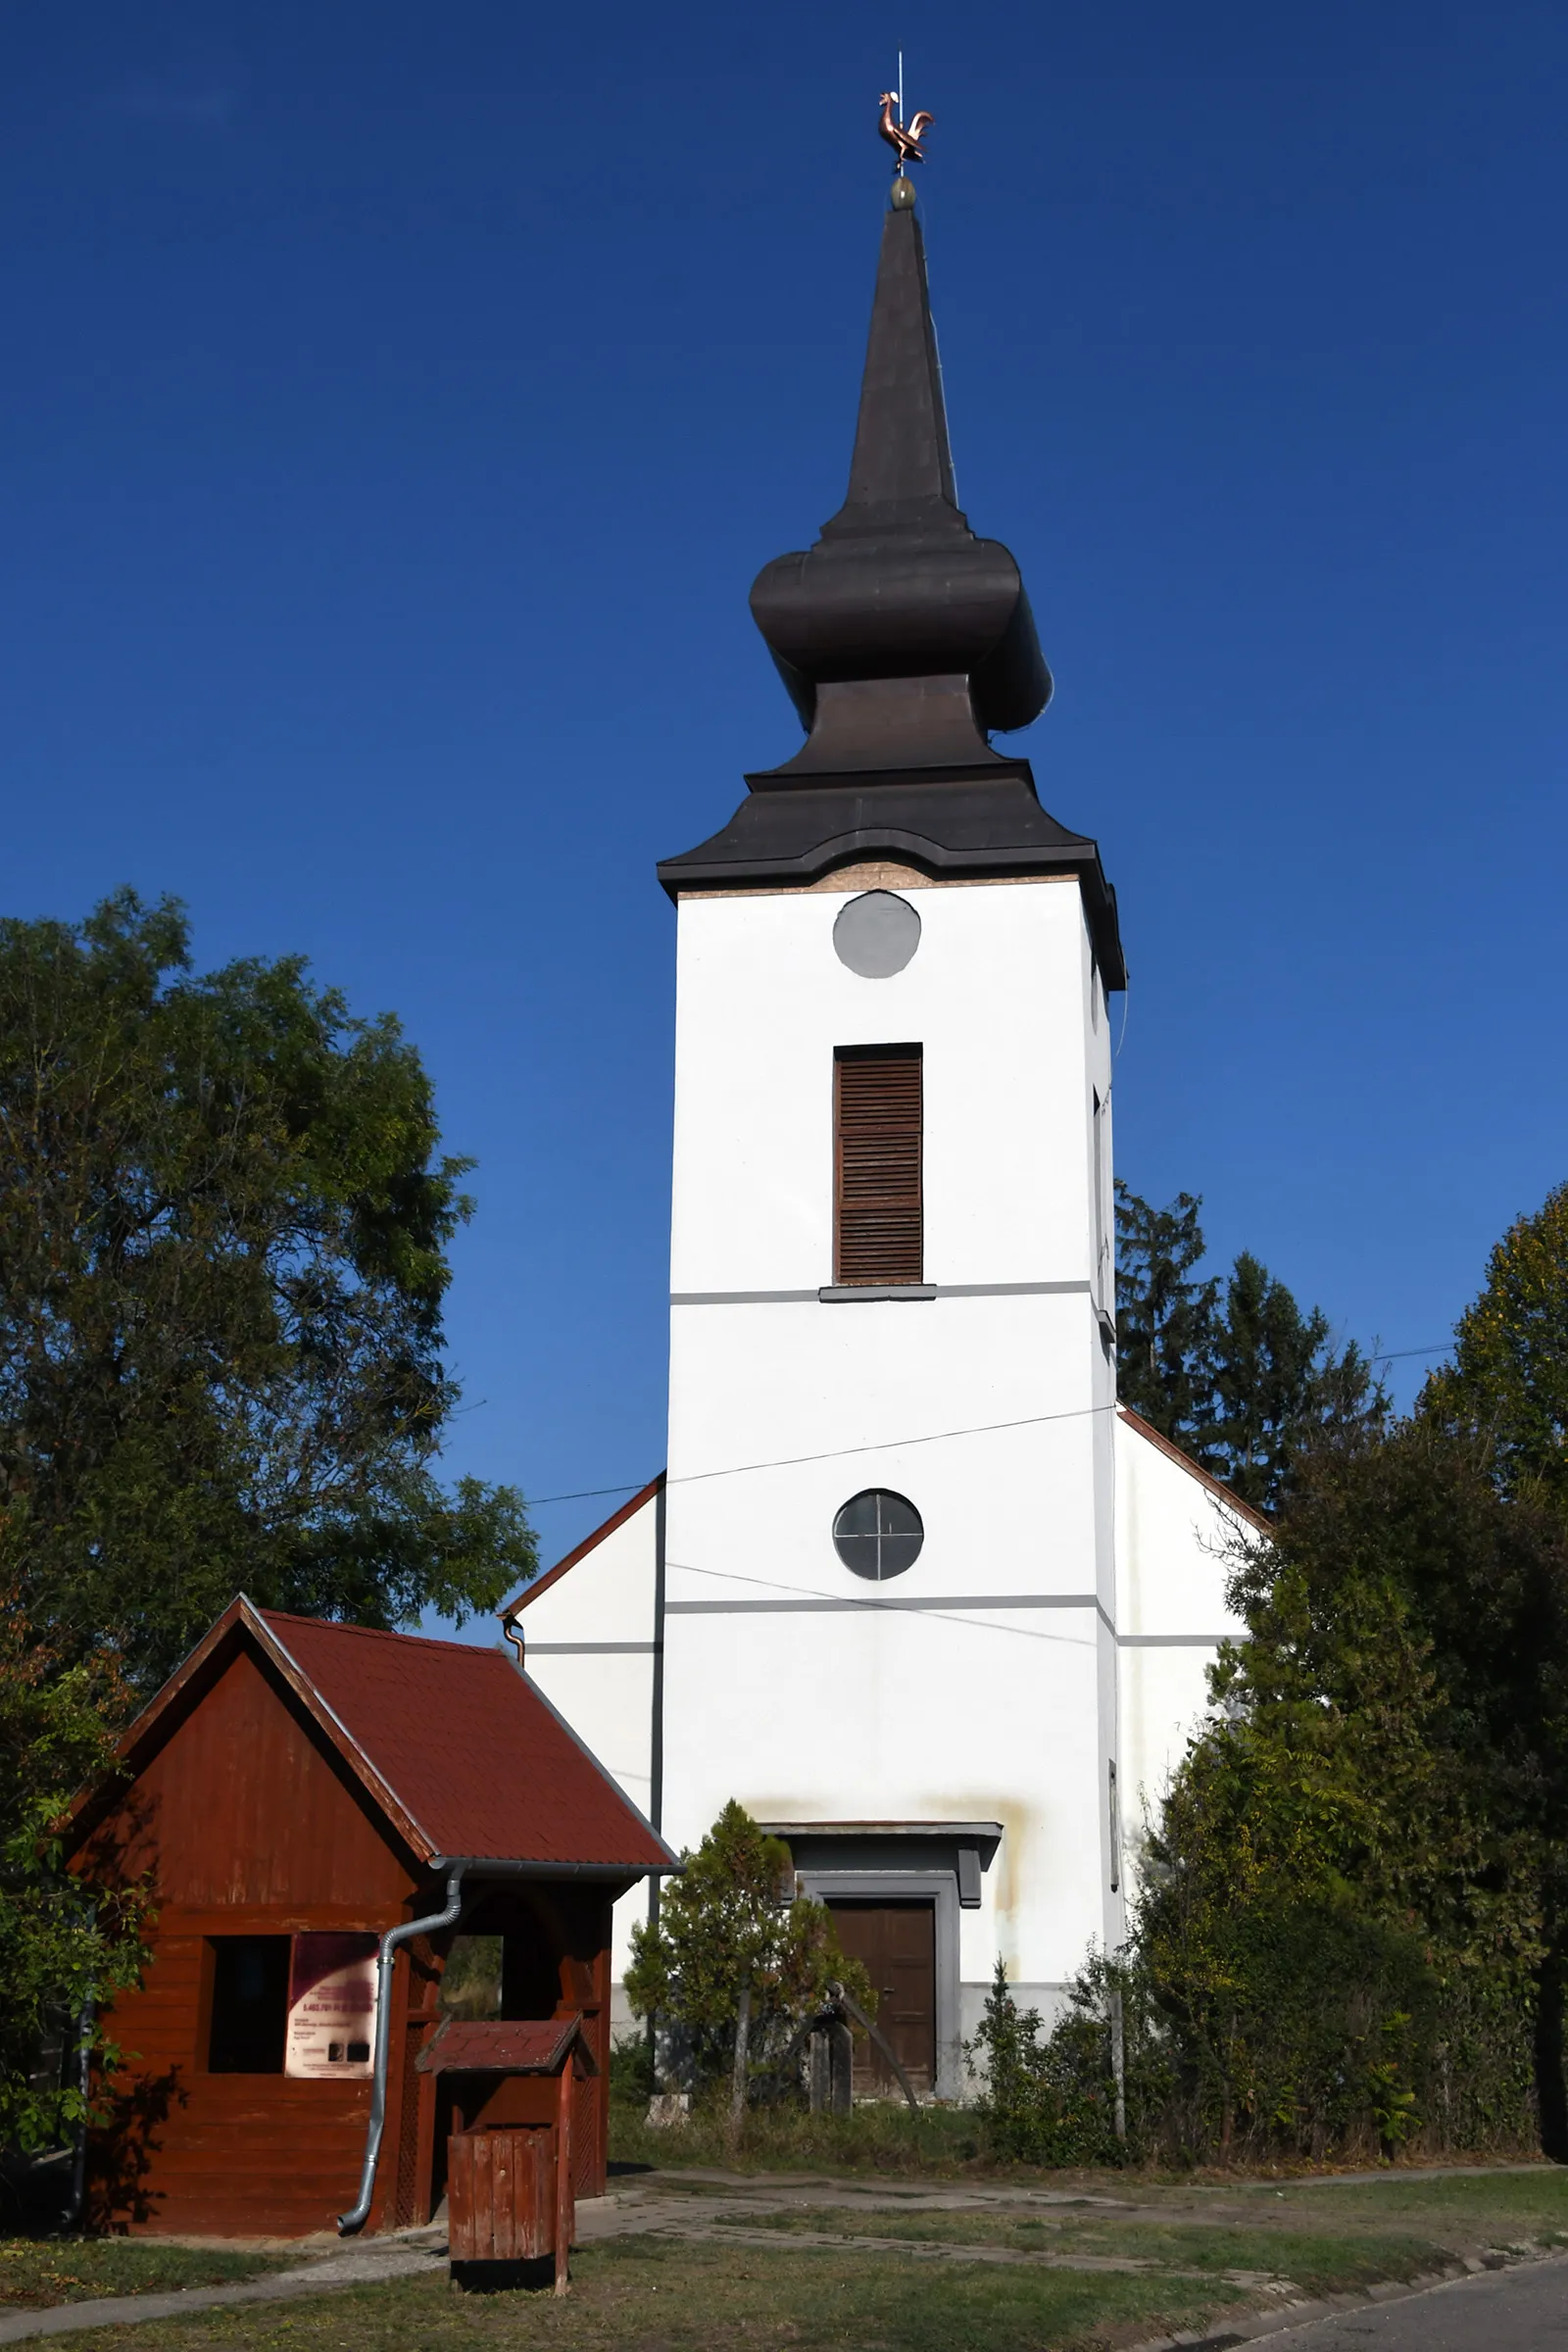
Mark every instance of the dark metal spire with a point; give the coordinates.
(904, 641)
(902, 637)
(902, 470)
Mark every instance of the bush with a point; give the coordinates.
(732, 1923)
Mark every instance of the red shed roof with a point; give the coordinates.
(495, 2045)
(462, 1752)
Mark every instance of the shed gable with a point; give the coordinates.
(245, 1802)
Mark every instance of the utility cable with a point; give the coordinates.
(792, 1461)
(852, 1600)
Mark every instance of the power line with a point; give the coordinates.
(851, 1600)
(938, 1436)
(792, 1461)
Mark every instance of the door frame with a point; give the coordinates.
(939, 1887)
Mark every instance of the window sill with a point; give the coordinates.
(840, 1294)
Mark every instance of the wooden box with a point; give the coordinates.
(501, 2194)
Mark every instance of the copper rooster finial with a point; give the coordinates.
(903, 137)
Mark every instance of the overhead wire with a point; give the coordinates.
(938, 1436)
(793, 1461)
(853, 1600)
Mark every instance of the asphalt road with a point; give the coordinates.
(1501, 2311)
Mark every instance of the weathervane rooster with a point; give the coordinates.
(903, 138)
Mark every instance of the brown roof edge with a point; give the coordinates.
(542, 1583)
(1206, 1478)
(137, 1732)
(380, 1791)
(240, 1618)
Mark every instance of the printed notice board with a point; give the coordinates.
(332, 2005)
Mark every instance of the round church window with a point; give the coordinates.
(876, 934)
(878, 1534)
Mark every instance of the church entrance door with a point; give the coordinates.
(897, 1944)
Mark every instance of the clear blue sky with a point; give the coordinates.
(398, 402)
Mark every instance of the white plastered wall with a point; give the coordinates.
(590, 1640)
(978, 1686)
(1176, 1539)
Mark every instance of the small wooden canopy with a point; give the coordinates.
(507, 2046)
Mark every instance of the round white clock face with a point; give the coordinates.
(876, 934)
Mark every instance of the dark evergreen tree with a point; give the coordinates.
(1165, 1314)
(1232, 1371)
(1277, 1384)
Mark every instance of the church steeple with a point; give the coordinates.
(902, 638)
(901, 472)
(905, 641)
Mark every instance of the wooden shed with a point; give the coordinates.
(294, 1792)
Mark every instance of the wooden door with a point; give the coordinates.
(897, 1944)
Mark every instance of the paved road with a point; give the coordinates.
(1501, 2311)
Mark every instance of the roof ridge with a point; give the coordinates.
(383, 1633)
(1194, 1469)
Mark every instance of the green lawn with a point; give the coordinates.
(1316, 2262)
(35, 2272)
(651, 2295)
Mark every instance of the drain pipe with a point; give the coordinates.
(70, 2219)
(385, 1960)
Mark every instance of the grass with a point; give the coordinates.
(651, 2295)
(37, 2272)
(1316, 2262)
(878, 2138)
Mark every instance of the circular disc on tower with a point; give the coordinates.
(876, 934)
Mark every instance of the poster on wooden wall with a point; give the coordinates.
(332, 2005)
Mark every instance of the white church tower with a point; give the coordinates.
(912, 1589)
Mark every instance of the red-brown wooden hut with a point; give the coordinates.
(296, 1790)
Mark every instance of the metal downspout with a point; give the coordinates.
(70, 2220)
(349, 2223)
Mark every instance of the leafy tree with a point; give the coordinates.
(1505, 1394)
(60, 1946)
(223, 1219)
(1508, 1379)
(1349, 1879)
(734, 1941)
(1232, 1370)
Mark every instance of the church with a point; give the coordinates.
(913, 1587)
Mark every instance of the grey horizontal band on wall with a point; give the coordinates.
(1177, 1641)
(830, 1601)
(868, 1294)
(590, 1649)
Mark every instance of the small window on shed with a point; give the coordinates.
(250, 2005)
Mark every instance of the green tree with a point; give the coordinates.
(223, 1218)
(1350, 1877)
(1505, 1396)
(1508, 1379)
(1165, 1314)
(1231, 1370)
(62, 1948)
(733, 1939)
(1278, 1385)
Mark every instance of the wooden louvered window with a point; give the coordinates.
(876, 1164)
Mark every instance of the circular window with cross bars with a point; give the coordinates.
(877, 1535)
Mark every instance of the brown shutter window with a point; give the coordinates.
(876, 1164)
